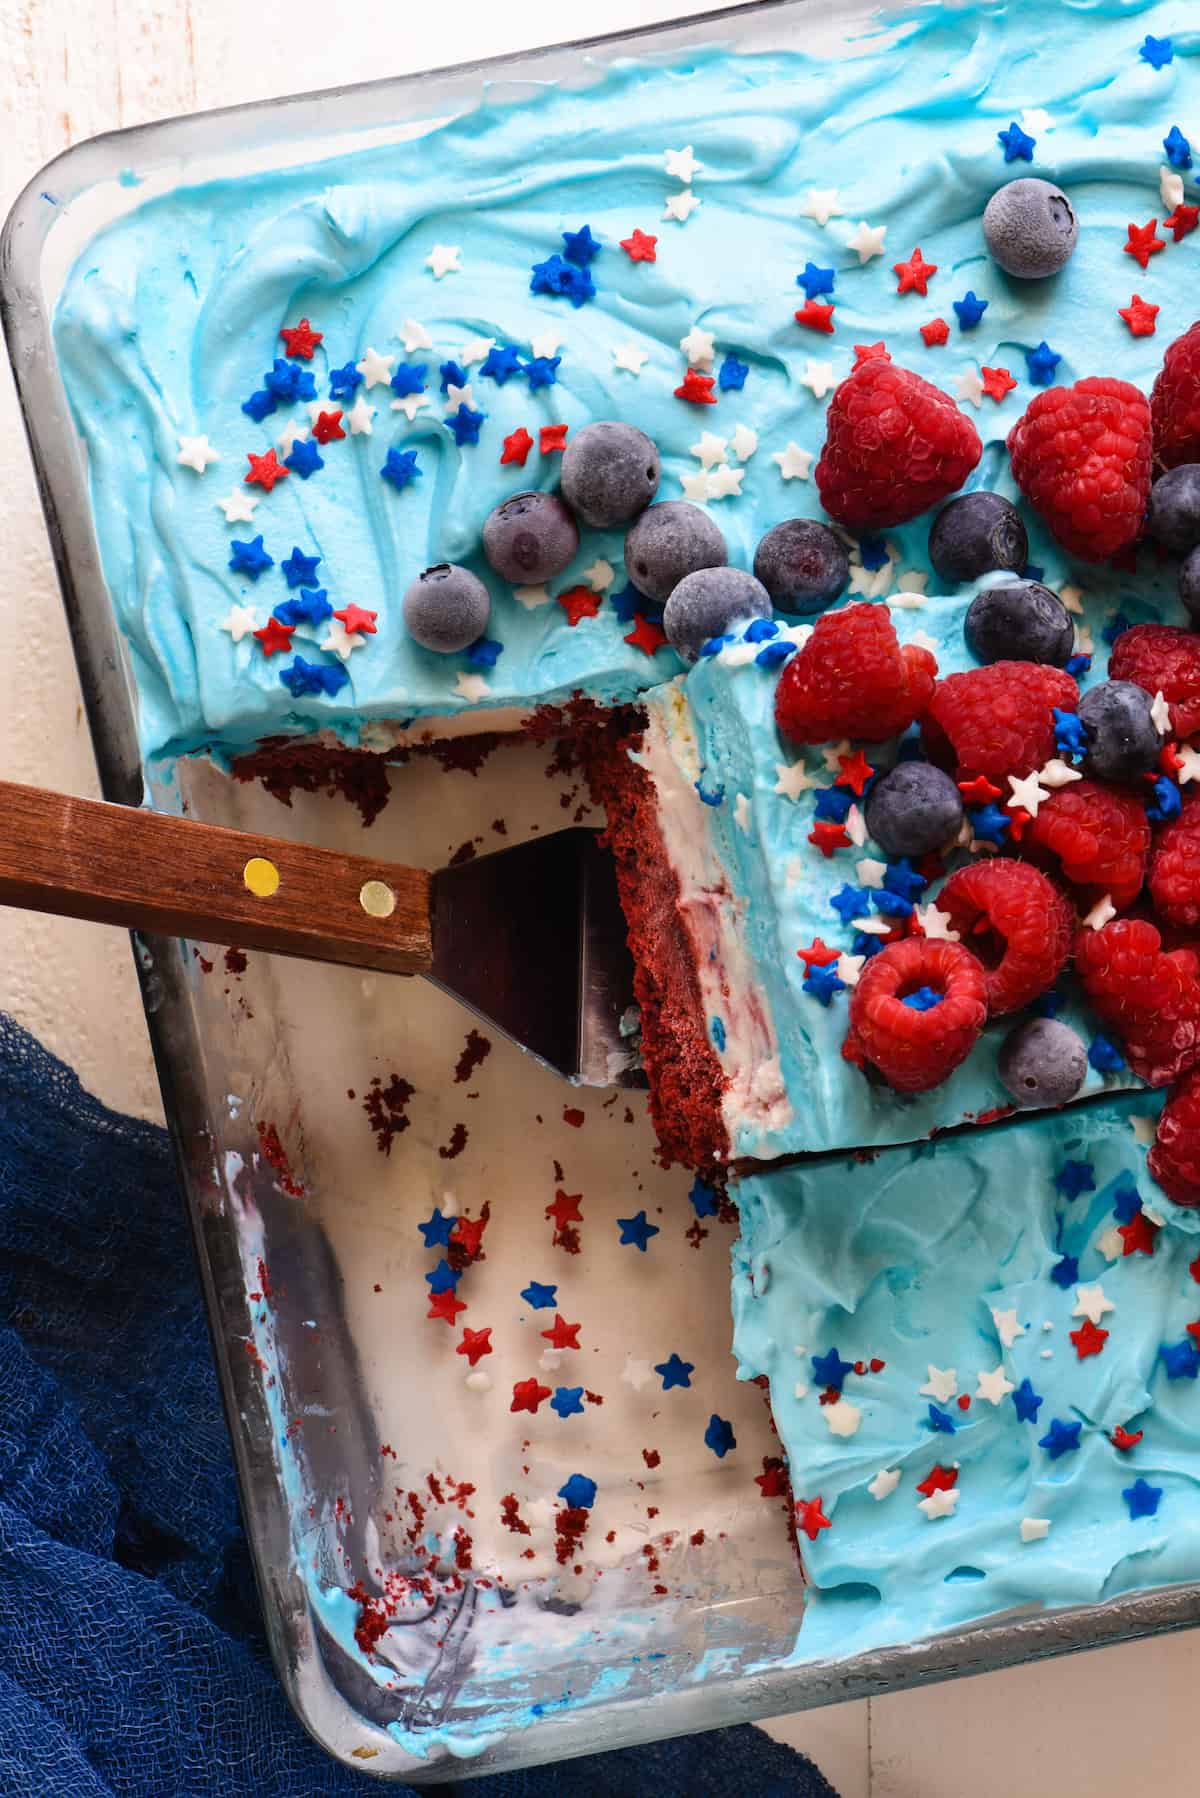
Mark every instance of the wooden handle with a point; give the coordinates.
(173, 877)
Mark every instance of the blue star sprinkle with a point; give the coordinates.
(829, 1370)
(891, 905)
(675, 1372)
(1069, 736)
(1048, 1004)
(1181, 1359)
(732, 375)
(704, 1199)
(1157, 51)
(436, 1230)
(567, 1401)
(1041, 363)
(823, 983)
(312, 607)
(500, 364)
(1017, 144)
(866, 944)
(773, 655)
(710, 795)
(849, 902)
(250, 558)
(759, 630)
(1142, 1498)
(444, 1278)
(579, 1492)
(1168, 802)
(1127, 1202)
(1116, 627)
(465, 424)
(924, 999)
(902, 878)
(939, 1420)
(717, 1032)
(299, 570)
(1077, 666)
(260, 405)
(635, 1231)
(304, 458)
(629, 600)
(712, 646)
(451, 375)
(1178, 149)
(539, 1297)
(580, 247)
(400, 468)
(485, 652)
(815, 280)
(305, 680)
(1032, 571)
(562, 279)
(1027, 1402)
(719, 1436)
(409, 377)
(834, 803)
(1074, 1177)
(1064, 1273)
(874, 553)
(288, 381)
(1061, 1438)
(541, 371)
(988, 823)
(970, 310)
(344, 381)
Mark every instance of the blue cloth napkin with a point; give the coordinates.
(132, 1654)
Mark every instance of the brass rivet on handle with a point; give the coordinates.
(261, 877)
(377, 899)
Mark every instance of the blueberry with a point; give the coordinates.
(669, 541)
(1030, 228)
(1021, 621)
(446, 608)
(1174, 512)
(913, 810)
(802, 565)
(529, 538)
(709, 602)
(1122, 738)
(1043, 1062)
(1189, 586)
(610, 473)
(975, 534)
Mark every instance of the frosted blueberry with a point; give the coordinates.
(1189, 587)
(1173, 516)
(802, 565)
(529, 538)
(1019, 622)
(710, 602)
(1043, 1062)
(913, 810)
(669, 541)
(1122, 738)
(610, 473)
(1030, 228)
(975, 534)
(446, 608)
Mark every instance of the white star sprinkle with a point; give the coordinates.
(793, 462)
(866, 240)
(291, 434)
(239, 621)
(1101, 913)
(1189, 764)
(724, 482)
(1092, 1302)
(1007, 1327)
(695, 486)
(410, 405)
(1027, 792)
(884, 1483)
(376, 370)
(818, 377)
(197, 453)
(239, 506)
(546, 344)
(1170, 187)
(1083, 640)
(793, 779)
(637, 1374)
(443, 260)
(470, 686)
(922, 640)
(856, 827)
(801, 1390)
(1034, 1529)
(1160, 711)
(629, 357)
(414, 336)
(1111, 1244)
(342, 642)
(871, 926)
(359, 417)
(941, 1385)
(969, 387)
(681, 164)
(531, 597)
(709, 450)
(993, 1386)
(1144, 1126)
(940, 1503)
(741, 814)
(476, 349)
(681, 206)
(699, 347)
(842, 1417)
(870, 873)
(936, 924)
(478, 1381)
(849, 968)
(821, 204)
(457, 396)
(1072, 598)
(906, 600)
(871, 582)
(599, 576)
(743, 443)
(1058, 773)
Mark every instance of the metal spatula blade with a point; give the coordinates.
(531, 939)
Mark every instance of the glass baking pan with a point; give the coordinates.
(429, 1591)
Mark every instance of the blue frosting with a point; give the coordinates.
(904, 1258)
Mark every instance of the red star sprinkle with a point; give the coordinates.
(914, 274)
(551, 438)
(1182, 221)
(1089, 1339)
(1139, 315)
(996, 382)
(938, 1479)
(444, 1306)
(468, 1234)
(275, 636)
(979, 791)
(1143, 243)
(697, 389)
(475, 1343)
(579, 602)
(1124, 1439)
(964, 1401)
(1138, 1235)
(936, 332)
(1018, 823)
(811, 1518)
(816, 317)
(517, 446)
(301, 340)
(869, 352)
(357, 618)
(264, 470)
(1194, 1269)
(827, 836)
(854, 771)
(646, 636)
(818, 954)
(563, 1335)
(327, 428)
(772, 1481)
(565, 1209)
(877, 1366)
(639, 247)
(1169, 759)
(528, 1395)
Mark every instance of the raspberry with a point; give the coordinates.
(1081, 456)
(915, 1049)
(1099, 838)
(852, 679)
(998, 720)
(1175, 1158)
(894, 446)
(1162, 658)
(1151, 1000)
(1175, 403)
(1018, 924)
(1175, 867)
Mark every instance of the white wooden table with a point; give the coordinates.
(1104, 1725)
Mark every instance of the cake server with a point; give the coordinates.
(531, 939)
